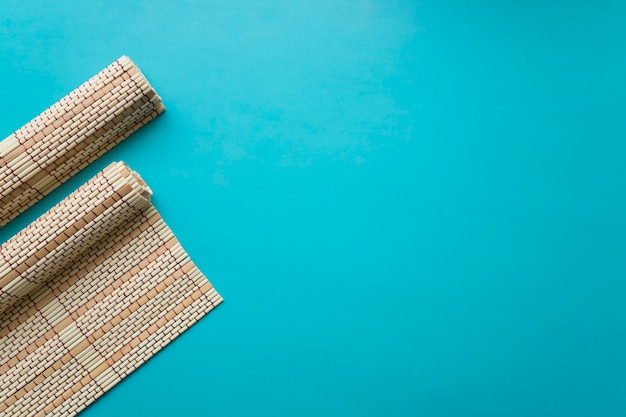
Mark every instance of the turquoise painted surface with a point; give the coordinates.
(411, 208)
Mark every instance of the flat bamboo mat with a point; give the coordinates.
(89, 292)
(75, 131)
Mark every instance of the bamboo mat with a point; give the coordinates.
(72, 133)
(89, 292)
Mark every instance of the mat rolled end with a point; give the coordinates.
(72, 133)
(59, 236)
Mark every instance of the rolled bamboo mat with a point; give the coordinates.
(89, 292)
(75, 131)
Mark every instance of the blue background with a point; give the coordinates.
(411, 208)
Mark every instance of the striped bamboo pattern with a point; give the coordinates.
(89, 292)
(72, 133)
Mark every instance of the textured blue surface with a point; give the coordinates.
(411, 208)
